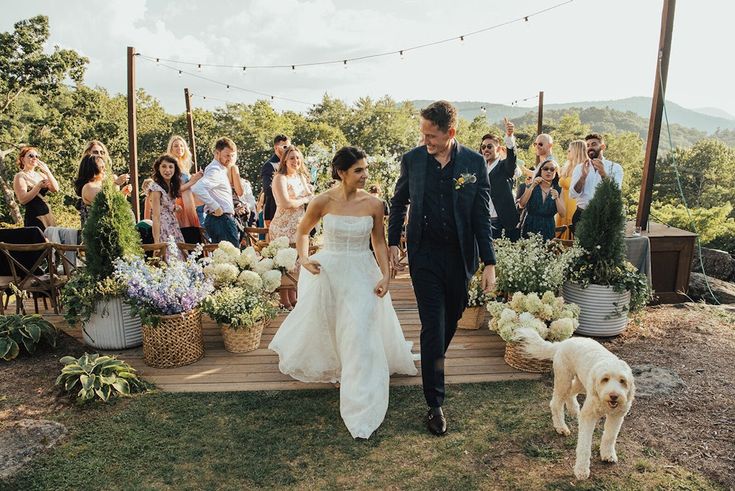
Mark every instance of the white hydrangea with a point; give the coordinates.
(279, 243)
(286, 259)
(248, 257)
(221, 274)
(265, 264)
(533, 303)
(250, 280)
(548, 297)
(225, 254)
(506, 332)
(562, 329)
(518, 302)
(271, 280)
(508, 315)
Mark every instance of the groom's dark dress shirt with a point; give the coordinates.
(438, 220)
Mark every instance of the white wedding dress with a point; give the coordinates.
(341, 331)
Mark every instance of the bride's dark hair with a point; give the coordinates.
(346, 158)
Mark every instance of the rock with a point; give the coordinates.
(718, 264)
(724, 291)
(651, 380)
(21, 440)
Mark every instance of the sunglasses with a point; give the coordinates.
(483, 146)
(32, 155)
(539, 144)
(548, 169)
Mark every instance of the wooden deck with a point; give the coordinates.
(473, 356)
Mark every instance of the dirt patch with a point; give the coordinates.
(27, 388)
(694, 425)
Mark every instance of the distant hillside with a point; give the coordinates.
(687, 126)
(708, 122)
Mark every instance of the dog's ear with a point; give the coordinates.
(631, 387)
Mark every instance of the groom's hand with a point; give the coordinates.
(395, 259)
(488, 278)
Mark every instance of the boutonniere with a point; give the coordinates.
(464, 179)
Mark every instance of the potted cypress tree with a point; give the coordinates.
(93, 296)
(601, 281)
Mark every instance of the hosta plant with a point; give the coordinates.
(98, 377)
(27, 331)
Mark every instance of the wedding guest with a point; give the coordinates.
(162, 192)
(31, 184)
(541, 202)
(588, 175)
(92, 171)
(280, 144)
(292, 191)
(544, 144)
(576, 154)
(178, 148)
(242, 209)
(502, 175)
(215, 191)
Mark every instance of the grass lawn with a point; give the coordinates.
(500, 437)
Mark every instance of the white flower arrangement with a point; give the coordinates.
(221, 273)
(271, 280)
(265, 264)
(240, 308)
(285, 259)
(250, 280)
(274, 246)
(549, 315)
(532, 265)
(476, 297)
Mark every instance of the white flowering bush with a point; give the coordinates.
(548, 314)
(532, 265)
(240, 308)
(476, 296)
(228, 266)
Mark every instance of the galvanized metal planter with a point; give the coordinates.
(604, 312)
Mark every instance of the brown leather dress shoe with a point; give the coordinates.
(436, 421)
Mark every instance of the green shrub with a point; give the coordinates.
(98, 377)
(109, 233)
(24, 330)
(601, 233)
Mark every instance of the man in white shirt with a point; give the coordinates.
(215, 191)
(588, 175)
(502, 175)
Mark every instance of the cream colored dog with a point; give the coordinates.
(582, 365)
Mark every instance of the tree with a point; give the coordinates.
(26, 69)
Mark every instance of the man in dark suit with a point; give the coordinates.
(449, 221)
(280, 142)
(502, 175)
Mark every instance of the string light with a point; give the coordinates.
(344, 61)
(199, 67)
(179, 73)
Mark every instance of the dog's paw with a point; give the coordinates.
(608, 455)
(581, 472)
(563, 430)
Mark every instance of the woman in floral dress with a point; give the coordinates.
(292, 191)
(162, 194)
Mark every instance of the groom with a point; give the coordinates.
(449, 221)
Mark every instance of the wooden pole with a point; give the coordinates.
(133, 132)
(540, 122)
(190, 127)
(657, 107)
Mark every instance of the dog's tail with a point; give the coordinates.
(534, 345)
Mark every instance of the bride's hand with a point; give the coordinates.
(312, 266)
(382, 287)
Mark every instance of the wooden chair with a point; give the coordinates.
(155, 252)
(38, 279)
(187, 248)
(252, 237)
(22, 235)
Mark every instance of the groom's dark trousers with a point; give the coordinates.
(440, 284)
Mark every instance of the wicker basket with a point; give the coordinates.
(515, 357)
(242, 340)
(472, 318)
(176, 341)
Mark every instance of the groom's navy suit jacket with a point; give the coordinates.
(471, 205)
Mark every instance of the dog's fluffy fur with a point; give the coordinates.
(583, 365)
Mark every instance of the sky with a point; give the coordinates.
(583, 50)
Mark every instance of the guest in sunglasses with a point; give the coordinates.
(92, 170)
(502, 174)
(544, 144)
(541, 201)
(31, 184)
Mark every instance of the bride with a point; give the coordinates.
(344, 328)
